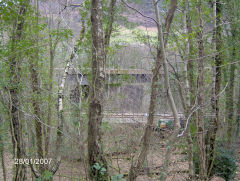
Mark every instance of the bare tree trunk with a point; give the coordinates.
(173, 137)
(108, 32)
(109, 27)
(78, 109)
(60, 110)
(36, 106)
(52, 50)
(49, 114)
(189, 88)
(95, 152)
(134, 170)
(82, 131)
(214, 123)
(60, 106)
(36, 99)
(190, 65)
(200, 96)
(15, 122)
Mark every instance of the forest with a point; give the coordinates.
(119, 90)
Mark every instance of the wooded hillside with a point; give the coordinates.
(119, 90)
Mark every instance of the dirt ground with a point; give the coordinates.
(74, 170)
(120, 150)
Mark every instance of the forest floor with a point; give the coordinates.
(120, 150)
(75, 170)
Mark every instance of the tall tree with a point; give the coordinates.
(95, 152)
(52, 51)
(14, 89)
(161, 59)
(233, 36)
(217, 76)
(200, 98)
(34, 68)
(189, 86)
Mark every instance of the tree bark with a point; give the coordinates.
(37, 117)
(231, 79)
(95, 152)
(200, 97)
(177, 126)
(60, 106)
(217, 72)
(36, 95)
(109, 27)
(15, 122)
(189, 88)
(52, 48)
(78, 109)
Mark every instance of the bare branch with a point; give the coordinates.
(197, 108)
(145, 16)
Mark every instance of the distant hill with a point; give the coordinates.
(146, 8)
(70, 16)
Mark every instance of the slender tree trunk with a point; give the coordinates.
(52, 50)
(60, 109)
(36, 98)
(49, 114)
(214, 123)
(109, 27)
(60, 105)
(200, 96)
(78, 109)
(95, 152)
(15, 122)
(36, 107)
(173, 137)
(189, 87)
(161, 58)
(134, 170)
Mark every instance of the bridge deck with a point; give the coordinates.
(134, 117)
(113, 71)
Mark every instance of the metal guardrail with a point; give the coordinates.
(135, 115)
(113, 71)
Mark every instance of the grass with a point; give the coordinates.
(125, 35)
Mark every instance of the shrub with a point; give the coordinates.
(224, 163)
(101, 171)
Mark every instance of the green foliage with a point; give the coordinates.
(62, 33)
(106, 126)
(46, 176)
(224, 163)
(117, 177)
(100, 170)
